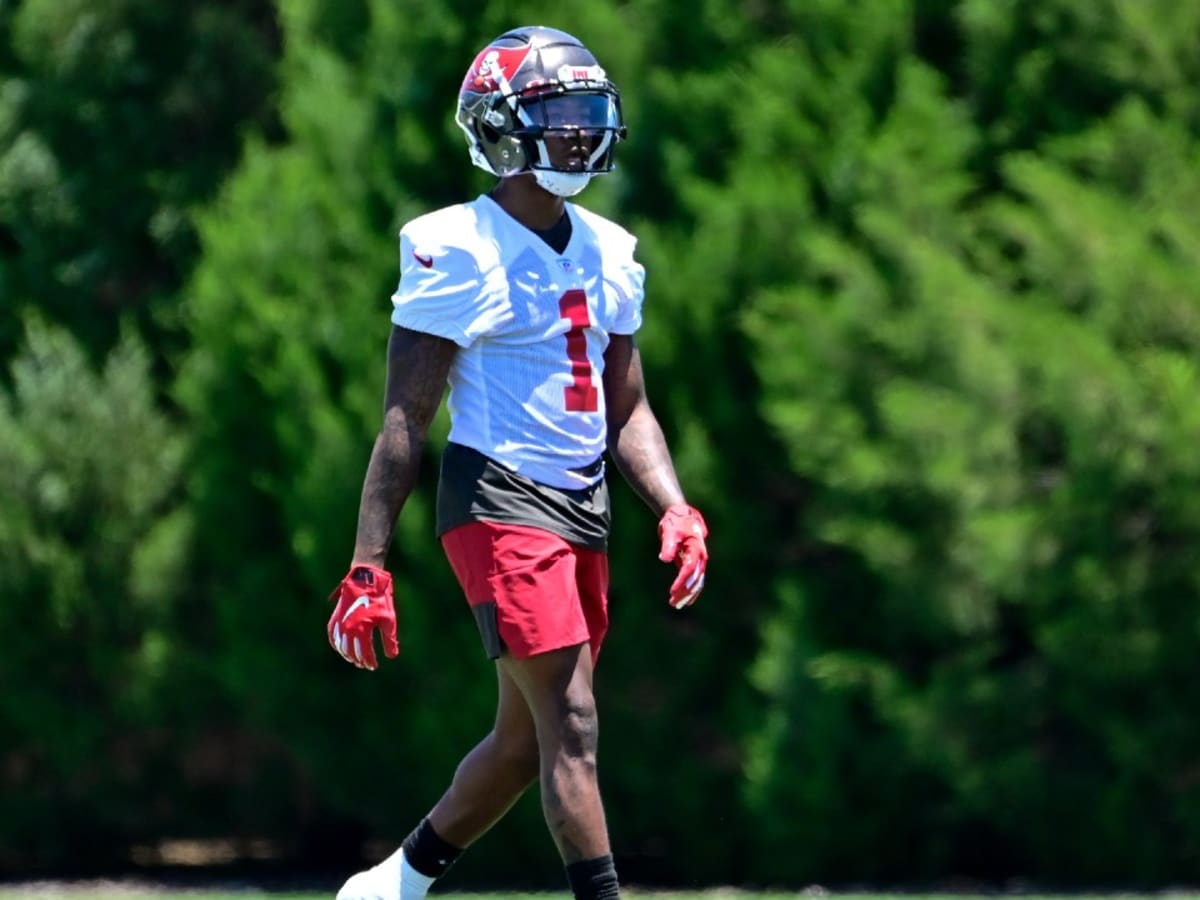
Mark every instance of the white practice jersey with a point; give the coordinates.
(533, 325)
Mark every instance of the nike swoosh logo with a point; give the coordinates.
(361, 601)
(426, 261)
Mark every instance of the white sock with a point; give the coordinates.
(413, 885)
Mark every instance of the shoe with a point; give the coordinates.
(381, 882)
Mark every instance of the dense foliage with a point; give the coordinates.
(922, 326)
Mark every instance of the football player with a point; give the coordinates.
(526, 305)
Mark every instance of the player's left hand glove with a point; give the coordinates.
(364, 605)
(683, 531)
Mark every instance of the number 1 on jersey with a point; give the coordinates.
(581, 396)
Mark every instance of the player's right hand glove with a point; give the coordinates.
(682, 530)
(364, 605)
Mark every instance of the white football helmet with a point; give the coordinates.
(535, 83)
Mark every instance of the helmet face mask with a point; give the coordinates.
(535, 100)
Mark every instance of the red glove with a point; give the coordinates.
(683, 531)
(364, 604)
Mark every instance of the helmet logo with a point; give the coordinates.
(494, 68)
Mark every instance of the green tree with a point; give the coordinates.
(989, 640)
(93, 544)
(922, 329)
(116, 119)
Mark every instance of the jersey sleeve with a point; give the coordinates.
(444, 291)
(628, 278)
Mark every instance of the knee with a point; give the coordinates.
(578, 726)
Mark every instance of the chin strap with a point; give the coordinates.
(562, 184)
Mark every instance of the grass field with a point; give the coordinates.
(101, 890)
(137, 890)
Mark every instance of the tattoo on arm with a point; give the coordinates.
(418, 365)
(635, 439)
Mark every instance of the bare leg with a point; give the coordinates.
(486, 784)
(557, 687)
(493, 775)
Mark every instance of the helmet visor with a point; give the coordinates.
(574, 110)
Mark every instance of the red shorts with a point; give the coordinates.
(531, 591)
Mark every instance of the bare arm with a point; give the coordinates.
(635, 439)
(416, 379)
